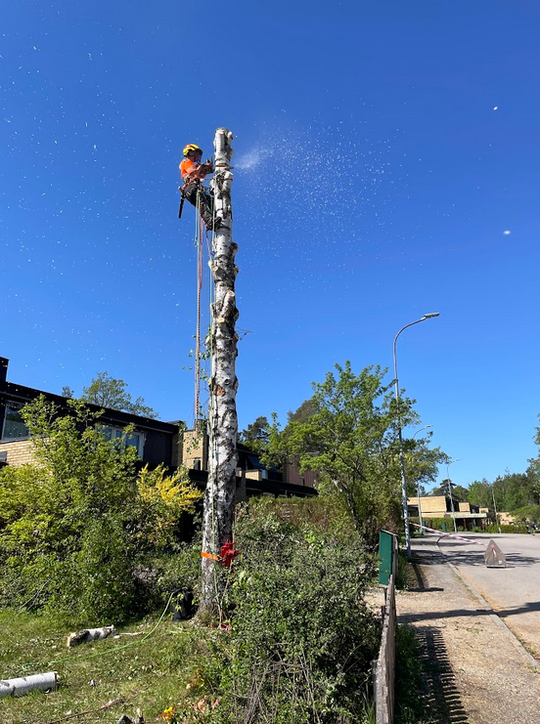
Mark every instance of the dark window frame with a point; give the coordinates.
(13, 407)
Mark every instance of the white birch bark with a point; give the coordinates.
(223, 421)
(26, 684)
(90, 634)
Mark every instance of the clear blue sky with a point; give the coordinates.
(387, 165)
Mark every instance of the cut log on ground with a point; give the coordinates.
(23, 685)
(89, 634)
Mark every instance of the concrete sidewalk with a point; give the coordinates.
(478, 672)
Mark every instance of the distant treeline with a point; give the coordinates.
(517, 493)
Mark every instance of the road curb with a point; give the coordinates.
(533, 663)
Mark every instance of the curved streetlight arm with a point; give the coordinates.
(420, 430)
(422, 319)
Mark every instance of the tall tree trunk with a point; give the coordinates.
(223, 421)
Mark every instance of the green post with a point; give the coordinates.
(386, 551)
(444, 526)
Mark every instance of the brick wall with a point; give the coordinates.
(18, 452)
(195, 450)
(433, 506)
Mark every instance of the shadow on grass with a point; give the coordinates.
(441, 696)
(426, 688)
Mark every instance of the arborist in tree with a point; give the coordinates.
(193, 172)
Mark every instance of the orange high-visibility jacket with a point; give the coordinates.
(189, 170)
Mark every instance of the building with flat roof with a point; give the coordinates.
(467, 516)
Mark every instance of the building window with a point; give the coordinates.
(14, 427)
(132, 439)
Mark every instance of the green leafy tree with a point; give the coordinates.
(350, 439)
(512, 491)
(421, 464)
(480, 493)
(256, 436)
(304, 412)
(533, 473)
(459, 492)
(74, 526)
(515, 490)
(107, 391)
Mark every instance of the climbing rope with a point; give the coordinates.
(199, 232)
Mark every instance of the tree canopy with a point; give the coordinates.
(256, 436)
(107, 391)
(459, 492)
(347, 432)
(509, 492)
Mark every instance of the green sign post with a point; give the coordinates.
(386, 554)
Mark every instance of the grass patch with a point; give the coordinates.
(298, 647)
(410, 708)
(150, 672)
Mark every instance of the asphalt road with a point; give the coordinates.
(513, 592)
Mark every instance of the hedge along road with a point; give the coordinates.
(512, 592)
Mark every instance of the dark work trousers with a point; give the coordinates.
(206, 201)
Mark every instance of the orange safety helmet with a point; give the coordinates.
(192, 147)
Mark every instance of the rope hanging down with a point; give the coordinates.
(199, 233)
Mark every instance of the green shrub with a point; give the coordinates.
(437, 523)
(77, 526)
(173, 571)
(505, 528)
(302, 638)
(325, 513)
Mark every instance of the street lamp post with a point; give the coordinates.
(495, 506)
(400, 436)
(449, 483)
(418, 486)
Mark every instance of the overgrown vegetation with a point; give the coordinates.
(302, 637)
(409, 683)
(78, 525)
(87, 537)
(296, 640)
